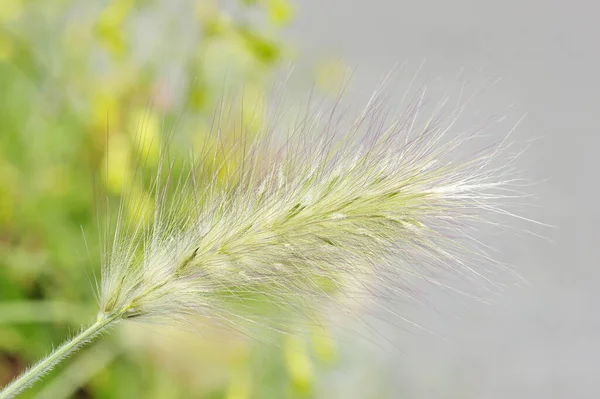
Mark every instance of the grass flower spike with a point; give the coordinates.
(316, 210)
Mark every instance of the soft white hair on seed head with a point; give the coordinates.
(321, 209)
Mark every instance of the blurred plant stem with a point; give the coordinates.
(66, 349)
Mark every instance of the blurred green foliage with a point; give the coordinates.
(77, 79)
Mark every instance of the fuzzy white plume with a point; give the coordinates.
(322, 214)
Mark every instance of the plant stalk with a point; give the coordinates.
(67, 348)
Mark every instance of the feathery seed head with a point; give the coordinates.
(312, 217)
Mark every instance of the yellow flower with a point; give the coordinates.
(10, 10)
(144, 128)
(298, 363)
(116, 164)
(280, 12)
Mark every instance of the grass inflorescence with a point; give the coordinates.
(316, 214)
(313, 210)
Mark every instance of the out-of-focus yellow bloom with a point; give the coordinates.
(240, 386)
(109, 27)
(280, 12)
(298, 363)
(227, 60)
(116, 163)
(262, 48)
(323, 344)
(215, 22)
(10, 10)
(6, 47)
(144, 128)
(106, 112)
(139, 206)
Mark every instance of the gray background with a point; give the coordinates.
(539, 340)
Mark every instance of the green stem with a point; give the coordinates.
(67, 348)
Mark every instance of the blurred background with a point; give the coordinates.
(73, 73)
